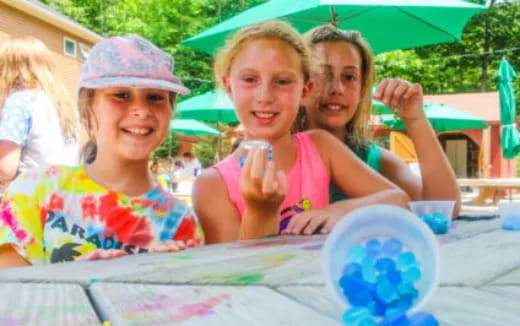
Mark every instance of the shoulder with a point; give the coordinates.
(208, 181)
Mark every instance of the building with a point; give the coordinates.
(68, 40)
(472, 153)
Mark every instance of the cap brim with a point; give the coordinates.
(134, 82)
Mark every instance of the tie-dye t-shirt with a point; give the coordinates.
(58, 213)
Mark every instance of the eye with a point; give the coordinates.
(284, 81)
(156, 97)
(349, 77)
(122, 95)
(248, 79)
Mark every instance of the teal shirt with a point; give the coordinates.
(372, 159)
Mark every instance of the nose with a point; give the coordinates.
(335, 85)
(140, 109)
(264, 94)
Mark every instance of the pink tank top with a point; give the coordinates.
(307, 181)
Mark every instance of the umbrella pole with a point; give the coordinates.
(333, 17)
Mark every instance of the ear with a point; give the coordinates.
(227, 85)
(307, 89)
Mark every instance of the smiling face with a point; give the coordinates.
(338, 83)
(266, 84)
(129, 122)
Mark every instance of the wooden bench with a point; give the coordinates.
(494, 188)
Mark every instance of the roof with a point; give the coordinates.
(48, 15)
(485, 105)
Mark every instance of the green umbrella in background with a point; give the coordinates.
(442, 118)
(510, 136)
(212, 106)
(386, 24)
(192, 128)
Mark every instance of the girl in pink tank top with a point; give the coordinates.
(265, 70)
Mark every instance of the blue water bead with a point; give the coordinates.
(405, 260)
(423, 319)
(356, 254)
(352, 269)
(353, 315)
(385, 265)
(360, 298)
(386, 292)
(411, 275)
(392, 247)
(377, 307)
(368, 270)
(407, 290)
(394, 277)
(395, 320)
(439, 223)
(357, 291)
(367, 322)
(373, 247)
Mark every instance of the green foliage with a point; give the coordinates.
(467, 66)
(206, 150)
(167, 149)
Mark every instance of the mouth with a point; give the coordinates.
(138, 131)
(332, 107)
(264, 117)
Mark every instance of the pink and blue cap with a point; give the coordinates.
(129, 61)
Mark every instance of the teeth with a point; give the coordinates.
(334, 107)
(264, 115)
(138, 131)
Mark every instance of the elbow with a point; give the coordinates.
(7, 173)
(400, 198)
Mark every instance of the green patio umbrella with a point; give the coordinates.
(192, 128)
(510, 137)
(443, 118)
(386, 24)
(212, 106)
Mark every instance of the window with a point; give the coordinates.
(69, 47)
(83, 51)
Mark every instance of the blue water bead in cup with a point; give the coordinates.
(437, 222)
(379, 278)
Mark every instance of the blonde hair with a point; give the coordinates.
(357, 128)
(26, 63)
(270, 29)
(88, 152)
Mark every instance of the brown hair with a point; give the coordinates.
(26, 63)
(86, 96)
(270, 29)
(357, 128)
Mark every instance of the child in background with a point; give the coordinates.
(112, 205)
(265, 70)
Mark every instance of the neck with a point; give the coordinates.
(128, 177)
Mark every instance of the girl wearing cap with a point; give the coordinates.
(39, 123)
(112, 205)
(341, 102)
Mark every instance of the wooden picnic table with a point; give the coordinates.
(272, 281)
(494, 188)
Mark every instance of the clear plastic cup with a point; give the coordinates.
(509, 215)
(382, 221)
(444, 207)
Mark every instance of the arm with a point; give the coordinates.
(362, 185)
(9, 160)
(10, 258)
(218, 217)
(438, 179)
(263, 191)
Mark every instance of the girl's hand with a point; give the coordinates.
(262, 187)
(102, 254)
(311, 222)
(402, 97)
(172, 245)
